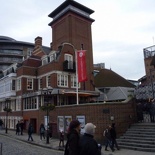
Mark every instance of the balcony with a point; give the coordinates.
(69, 66)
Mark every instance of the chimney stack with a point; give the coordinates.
(38, 41)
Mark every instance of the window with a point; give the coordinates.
(30, 103)
(13, 84)
(69, 58)
(18, 84)
(52, 57)
(73, 82)
(44, 60)
(40, 83)
(29, 84)
(48, 81)
(18, 104)
(62, 80)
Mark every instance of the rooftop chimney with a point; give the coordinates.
(38, 41)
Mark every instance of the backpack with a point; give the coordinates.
(42, 130)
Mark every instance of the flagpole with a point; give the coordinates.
(77, 96)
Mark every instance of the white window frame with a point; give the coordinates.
(62, 80)
(40, 83)
(69, 58)
(73, 82)
(29, 84)
(18, 84)
(48, 81)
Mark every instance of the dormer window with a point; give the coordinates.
(69, 58)
(52, 56)
(44, 60)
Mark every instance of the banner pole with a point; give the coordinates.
(77, 96)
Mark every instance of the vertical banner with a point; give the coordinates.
(81, 64)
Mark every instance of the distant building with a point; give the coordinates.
(112, 86)
(146, 88)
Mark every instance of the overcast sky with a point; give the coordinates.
(121, 30)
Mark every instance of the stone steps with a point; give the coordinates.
(140, 136)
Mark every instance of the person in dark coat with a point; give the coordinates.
(21, 127)
(88, 145)
(42, 131)
(113, 136)
(17, 128)
(72, 145)
(30, 131)
(108, 140)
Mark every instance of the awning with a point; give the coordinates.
(72, 93)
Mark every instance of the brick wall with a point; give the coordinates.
(99, 114)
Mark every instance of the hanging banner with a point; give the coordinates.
(81, 64)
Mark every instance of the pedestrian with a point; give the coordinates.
(50, 130)
(73, 135)
(108, 140)
(88, 145)
(17, 128)
(30, 131)
(113, 136)
(1, 124)
(21, 127)
(42, 131)
(61, 138)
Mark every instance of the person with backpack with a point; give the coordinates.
(114, 136)
(108, 139)
(42, 131)
(30, 131)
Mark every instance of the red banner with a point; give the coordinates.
(81, 65)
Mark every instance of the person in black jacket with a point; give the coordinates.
(88, 145)
(72, 145)
(113, 136)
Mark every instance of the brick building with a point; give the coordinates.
(49, 77)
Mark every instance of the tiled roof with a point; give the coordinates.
(108, 78)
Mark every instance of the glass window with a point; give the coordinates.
(69, 58)
(73, 81)
(48, 81)
(18, 84)
(62, 80)
(40, 83)
(29, 84)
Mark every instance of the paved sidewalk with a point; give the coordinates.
(54, 144)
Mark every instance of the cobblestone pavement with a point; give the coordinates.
(53, 144)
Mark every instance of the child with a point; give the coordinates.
(61, 138)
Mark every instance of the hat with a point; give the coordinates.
(90, 128)
(74, 124)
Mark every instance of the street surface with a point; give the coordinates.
(11, 146)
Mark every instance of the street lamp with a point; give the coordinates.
(7, 109)
(47, 107)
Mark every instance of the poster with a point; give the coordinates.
(81, 119)
(60, 123)
(68, 119)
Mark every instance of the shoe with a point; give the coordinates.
(106, 150)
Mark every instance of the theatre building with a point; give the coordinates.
(49, 77)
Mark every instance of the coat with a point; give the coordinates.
(73, 143)
(88, 145)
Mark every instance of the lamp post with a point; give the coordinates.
(47, 107)
(7, 109)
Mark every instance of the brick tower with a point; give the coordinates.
(72, 23)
